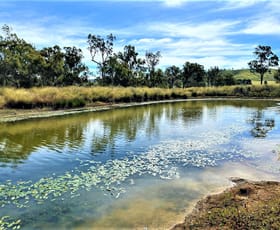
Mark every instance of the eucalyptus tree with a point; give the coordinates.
(152, 60)
(75, 70)
(213, 75)
(101, 50)
(225, 77)
(265, 59)
(159, 79)
(193, 75)
(53, 69)
(173, 74)
(117, 73)
(19, 60)
(130, 60)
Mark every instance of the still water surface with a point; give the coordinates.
(132, 168)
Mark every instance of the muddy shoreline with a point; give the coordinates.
(13, 115)
(247, 205)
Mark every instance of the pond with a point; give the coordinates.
(142, 167)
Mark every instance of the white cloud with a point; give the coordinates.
(208, 42)
(215, 52)
(238, 4)
(262, 26)
(222, 62)
(173, 3)
(206, 61)
(273, 7)
(202, 43)
(206, 30)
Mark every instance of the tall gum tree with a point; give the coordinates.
(101, 50)
(152, 59)
(265, 59)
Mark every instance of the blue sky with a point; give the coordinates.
(211, 33)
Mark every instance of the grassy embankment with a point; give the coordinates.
(74, 97)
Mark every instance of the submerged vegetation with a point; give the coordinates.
(75, 97)
(112, 177)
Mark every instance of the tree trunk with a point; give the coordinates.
(262, 78)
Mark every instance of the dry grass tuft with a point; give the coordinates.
(73, 96)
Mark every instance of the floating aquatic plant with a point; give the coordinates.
(163, 160)
(6, 222)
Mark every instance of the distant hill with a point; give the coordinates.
(246, 74)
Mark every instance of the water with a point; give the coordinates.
(133, 168)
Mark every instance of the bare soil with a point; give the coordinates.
(247, 205)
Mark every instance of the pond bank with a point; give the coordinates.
(247, 205)
(12, 115)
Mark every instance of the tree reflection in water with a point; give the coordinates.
(61, 134)
(261, 124)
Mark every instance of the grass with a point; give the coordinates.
(75, 97)
(252, 205)
(247, 74)
(257, 82)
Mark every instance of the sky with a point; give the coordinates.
(212, 33)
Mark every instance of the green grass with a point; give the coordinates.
(247, 74)
(75, 97)
(268, 82)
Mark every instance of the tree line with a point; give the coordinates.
(22, 65)
(126, 68)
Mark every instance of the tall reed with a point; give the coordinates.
(73, 96)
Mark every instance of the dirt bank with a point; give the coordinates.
(11, 115)
(247, 205)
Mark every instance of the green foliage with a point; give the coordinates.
(101, 50)
(18, 61)
(132, 65)
(21, 65)
(193, 74)
(212, 76)
(277, 75)
(265, 59)
(174, 77)
(6, 222)
(225, 78)
(217, 77)
(152, 59)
